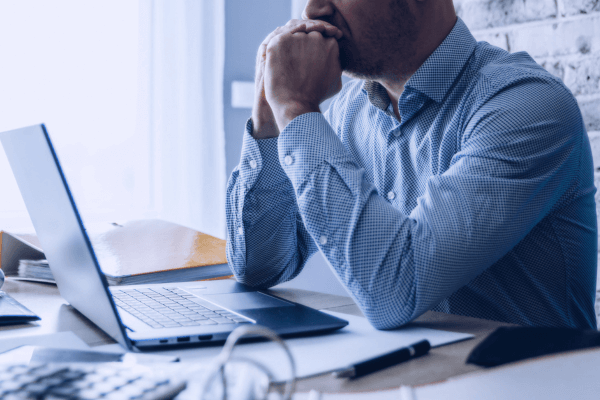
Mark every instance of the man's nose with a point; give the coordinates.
(317, 9)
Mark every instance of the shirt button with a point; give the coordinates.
(240, 230)
(323, 240)
(253, 164)
(288, 160)
(397, 133)
(391, 195)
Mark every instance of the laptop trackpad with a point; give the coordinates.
(245, 301)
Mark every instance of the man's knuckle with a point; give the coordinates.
(275, 42)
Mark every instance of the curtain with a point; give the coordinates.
(182, 46)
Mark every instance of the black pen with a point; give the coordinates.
(384, 361)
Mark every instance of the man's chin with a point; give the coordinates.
(351, 70)
(355, 72)
(355, 75)
(354, 67)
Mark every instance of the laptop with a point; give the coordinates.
(137, 316)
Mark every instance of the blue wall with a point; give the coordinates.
(247, 23)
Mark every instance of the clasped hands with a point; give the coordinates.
(297, 68)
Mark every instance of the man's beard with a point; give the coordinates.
(359, 65)
(388, 47)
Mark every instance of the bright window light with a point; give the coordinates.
(73, 65)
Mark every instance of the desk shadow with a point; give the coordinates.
(456, 323)
(69, 319)
(10, 327)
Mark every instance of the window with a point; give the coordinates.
(73, 65)
(101, 75)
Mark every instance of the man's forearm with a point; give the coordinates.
(398, 266)
(267, 242)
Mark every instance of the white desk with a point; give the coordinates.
(441, 363)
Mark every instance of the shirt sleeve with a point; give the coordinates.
(516, 159)
(267, 242)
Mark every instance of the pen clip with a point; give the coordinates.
(344, 373)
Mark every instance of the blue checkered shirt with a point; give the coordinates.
(480, 202)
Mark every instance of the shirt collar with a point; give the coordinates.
(377, 95)
(437, 74)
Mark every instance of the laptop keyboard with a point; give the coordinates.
(171, 308)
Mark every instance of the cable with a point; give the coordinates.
(225, 357)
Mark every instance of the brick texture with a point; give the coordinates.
(582, 75)
(575, 35)
(561, 35)
(590, 108)
(575, 7)
(492, 13)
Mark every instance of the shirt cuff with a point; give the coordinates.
(259, 157)
(307, 142)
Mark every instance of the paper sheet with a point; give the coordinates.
(381, 395)
(315, 355)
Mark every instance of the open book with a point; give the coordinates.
(135, 252)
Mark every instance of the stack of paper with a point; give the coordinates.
(35, 270)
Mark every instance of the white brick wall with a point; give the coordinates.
(561, 35)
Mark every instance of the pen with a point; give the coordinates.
(384, 361)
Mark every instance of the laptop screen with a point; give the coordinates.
(59, 227)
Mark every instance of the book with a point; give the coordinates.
(134, 252)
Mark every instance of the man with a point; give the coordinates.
(451, 175)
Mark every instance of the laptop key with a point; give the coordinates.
(171, 324)
(222, 320)
(190, 323)
(198, 318)
(224, 313)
